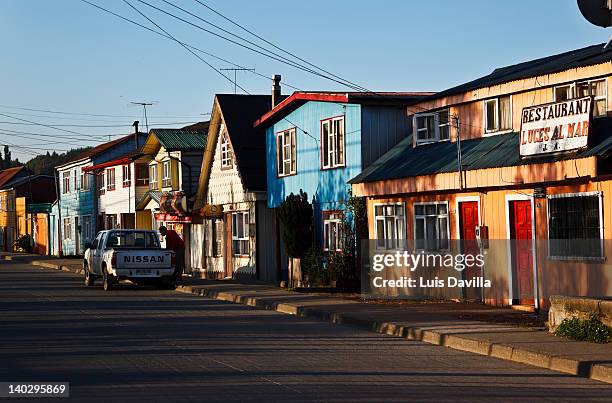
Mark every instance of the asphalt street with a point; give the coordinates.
(151, 345)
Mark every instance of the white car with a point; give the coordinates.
(125, 254)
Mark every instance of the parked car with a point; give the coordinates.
(134, 255)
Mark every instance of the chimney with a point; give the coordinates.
(276, 89)
(135, 124)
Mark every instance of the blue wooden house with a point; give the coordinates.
(75, 214)
(317, 142)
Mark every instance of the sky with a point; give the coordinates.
(67, 56)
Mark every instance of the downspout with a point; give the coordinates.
(59, 214)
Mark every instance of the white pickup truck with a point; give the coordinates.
(134, 255)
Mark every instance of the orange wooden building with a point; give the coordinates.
(533, 162)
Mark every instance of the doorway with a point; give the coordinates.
(468, 221)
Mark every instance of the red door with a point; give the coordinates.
(522, 253)
(467, 225)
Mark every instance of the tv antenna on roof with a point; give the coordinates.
(144, 106)
(235, 70)
(597, 12)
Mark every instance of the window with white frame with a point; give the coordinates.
(574, 226)
(240, 233)
(84, 181)
(431, 231)
(332, 231)
(498, 114)
(110, 179)
(332, 143)
(595, 88)
(390, 224)
(65, 182)
(166, 174)
(86, 232)
(286, 152)
(153, 176)
(431, 127)
(127, 175)
(101, 182)
(75, 184)
(226, 152)
(67, 228)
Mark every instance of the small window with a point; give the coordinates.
(84, 181)
(390, 225)
(332, 143)
(142, 175)
(226, 152)
(166, 174)
(67, 227)
(65, 182)
(498, 114)
(431, 127)
(75, 184)
(110, 179)
(595, 88)
(332, 231)
(574, 226)
(127, 176)
(240, 233)
(431, 232)
(101, 182)
(153, 176)
(86, 227)
(286, 152)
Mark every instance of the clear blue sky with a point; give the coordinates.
(65, 55)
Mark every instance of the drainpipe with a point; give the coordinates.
(59, 213)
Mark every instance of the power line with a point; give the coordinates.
(270, 43)
(96, 120)
(180, 43)
(93, 126)
(186, 44)
(282, 60)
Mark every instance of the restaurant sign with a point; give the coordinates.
(555, 127)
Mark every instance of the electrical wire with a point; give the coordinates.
(183, 45)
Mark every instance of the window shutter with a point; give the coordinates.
(174, 174)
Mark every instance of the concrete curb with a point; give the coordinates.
(571, 366)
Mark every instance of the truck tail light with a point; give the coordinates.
(173, 260)
(114, 259)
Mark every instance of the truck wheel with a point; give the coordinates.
(167, 285)
(89, 278)
(109, 281)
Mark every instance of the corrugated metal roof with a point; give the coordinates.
(588, 56)
(181, 139)
(8, 174)
(404, 160)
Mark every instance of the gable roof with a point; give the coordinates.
(377, 98)
(7, 175)
(248, 142)
(588, 56)
(404, 160)
(180, 139)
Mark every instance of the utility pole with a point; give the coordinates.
(144, 106)
(459, 162)
(235, 70)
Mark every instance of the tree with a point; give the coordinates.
(7, 157)
(295, 213)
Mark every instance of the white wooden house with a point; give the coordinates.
(238, 236)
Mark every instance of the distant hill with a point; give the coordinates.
(44, 164)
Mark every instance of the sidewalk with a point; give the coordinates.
(496, 332)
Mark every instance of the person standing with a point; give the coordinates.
(177, 245)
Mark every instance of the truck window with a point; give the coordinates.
(132, 239)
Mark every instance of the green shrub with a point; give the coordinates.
(591, 329)
(312, 266)
(295, 213)
(23, 243)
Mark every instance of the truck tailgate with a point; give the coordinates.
(143, 258)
